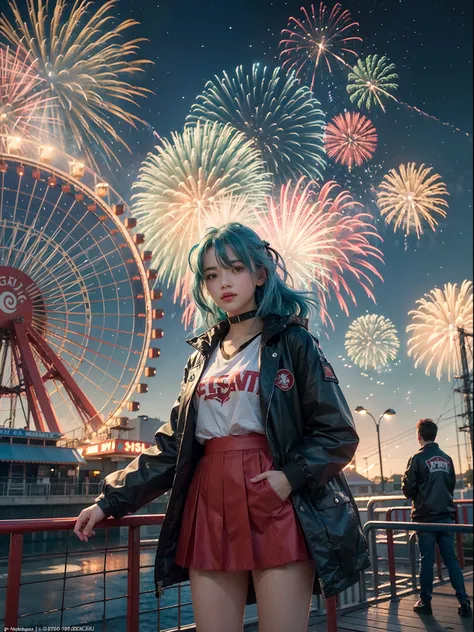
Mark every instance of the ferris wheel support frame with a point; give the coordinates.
(57, 370)
(26, 338)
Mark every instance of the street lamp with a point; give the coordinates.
(388, 413)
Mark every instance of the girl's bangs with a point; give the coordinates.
(219, 243)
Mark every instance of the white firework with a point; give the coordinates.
(372, 342)
(434, 329)
(180, 184)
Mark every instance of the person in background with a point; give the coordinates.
(85, 485)
(429, 482)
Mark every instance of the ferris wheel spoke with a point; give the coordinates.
(34, 200)
(78, 244)
(109, 299)
(81, 254)
(86, 277)
(73, 258)
(24, 249)
(84, 359)
(104, 287)
(39, 248)
(60, 391)
(104, 315)
(101, 340)
(93, 264)
(61, 278)
(43, 271)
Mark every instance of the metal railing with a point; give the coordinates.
(390, 526)
(138, 593)
(80, 563)
(55, 487)
(372, 511)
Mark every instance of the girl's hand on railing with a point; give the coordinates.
(86, 521)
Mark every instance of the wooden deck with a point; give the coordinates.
(399, 616)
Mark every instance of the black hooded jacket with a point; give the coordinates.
(430, 481)
(312, 437)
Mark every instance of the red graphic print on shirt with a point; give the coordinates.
(221, 387)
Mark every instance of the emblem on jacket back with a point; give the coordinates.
(438, 464)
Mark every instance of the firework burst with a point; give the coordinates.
(372, 81)
(233, 208)
(83, 61)
(434, 337)
(355, 235)
(323, 241)
(319, 40)
(23, 100)
(302, 231)
(281, 117)
(181, 183)
(350, 139)
(409, 197)
(372, 342)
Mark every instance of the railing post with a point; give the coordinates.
(373, 548)
(459, 541)
(331, 612)
(133, 580)
(391, 559)
(12, 597)
(412, 543)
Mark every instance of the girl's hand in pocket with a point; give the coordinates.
(279, 482)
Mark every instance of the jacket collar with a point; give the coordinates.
(272, 324)
(431, 444)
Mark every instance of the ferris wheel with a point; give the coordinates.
(76, 304)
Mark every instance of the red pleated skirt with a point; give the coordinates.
(232, 524)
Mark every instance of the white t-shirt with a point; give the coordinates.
(227, 396)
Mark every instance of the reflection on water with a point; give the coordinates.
(79, 589)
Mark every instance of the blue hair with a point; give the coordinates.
(275, 296)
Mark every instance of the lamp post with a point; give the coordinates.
(388, 413)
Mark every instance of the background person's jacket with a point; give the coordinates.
(429, 481)
(311, 435)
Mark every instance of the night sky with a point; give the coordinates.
(430, 44)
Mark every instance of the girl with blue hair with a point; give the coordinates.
(260, 510)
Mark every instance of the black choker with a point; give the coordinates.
(241, 317)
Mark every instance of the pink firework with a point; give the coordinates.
(350, 139)
(354, 234)
(319, 40)
(323, 242)
(22, 98)
(302, 232)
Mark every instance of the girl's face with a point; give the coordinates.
(232, 289)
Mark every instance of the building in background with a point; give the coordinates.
(33, 459)
(360, 486)
(122, 443)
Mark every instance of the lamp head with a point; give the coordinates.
(361, 410)
(389, 412)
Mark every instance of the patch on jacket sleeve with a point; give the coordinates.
(284, 380)
(328, 372)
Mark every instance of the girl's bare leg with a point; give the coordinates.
(219, 600)
(284, 597)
